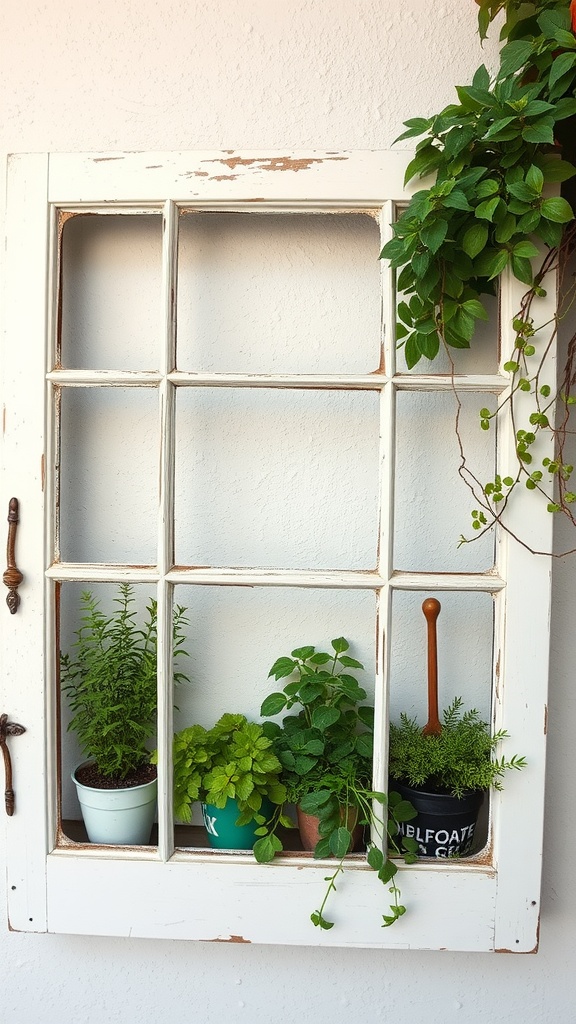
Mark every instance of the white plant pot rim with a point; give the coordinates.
(105, 789)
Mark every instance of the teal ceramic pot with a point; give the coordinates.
(224, 833)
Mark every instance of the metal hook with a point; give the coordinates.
(12, 577)
(8, 729)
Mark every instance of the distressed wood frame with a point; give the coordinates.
(490, 903)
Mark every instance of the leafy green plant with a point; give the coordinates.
(110, 682)
(325, 750)
(493, 154)
(460, 759)
(233, 759)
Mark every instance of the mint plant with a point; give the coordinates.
(325, 750)
(110, 678)
(232, 760)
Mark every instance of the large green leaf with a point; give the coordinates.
(366, 715)
(303, 653)
(340, 842)
(557, 170)
(549, 232)
(311, 803)
(457, 201)
(502, 129)
(475, 308)
(265, 848)
(387, 872)
(323, 717)
(535, 179)
(375, 858)
(487, 209)
(350, 662)
(340, 645)
(404, 811)
(412, 352)
(282, 667)
(309, 691)
(273, 704)
(415, 126)
(540, 132)
(506, 228)
(429, 345)
(364, 744)
(475, 239)
(433, 235)
(514, 56)
(491, 263)
(522, 191)
(525, 249)
(557, 210)
(481, 78)
(551, 21)
(303, 764)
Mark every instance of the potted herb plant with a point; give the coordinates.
(444, 769)
(445, 776)
(110, 682)
(325, 749)
(234, 773)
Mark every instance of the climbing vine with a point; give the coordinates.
(489, 211)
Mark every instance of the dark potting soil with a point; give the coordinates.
(88, 775)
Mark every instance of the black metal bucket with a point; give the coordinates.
(445, 824)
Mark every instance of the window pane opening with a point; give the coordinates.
(109, 475)
(111, 291)
(236, 634)
(290, 293)
(106, 653)
(433, 504)
(465, 659)
(276, 478)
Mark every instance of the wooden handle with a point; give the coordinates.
(431, 608)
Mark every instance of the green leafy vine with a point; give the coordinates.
(493, 155)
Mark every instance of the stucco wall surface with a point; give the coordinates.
(265, 74)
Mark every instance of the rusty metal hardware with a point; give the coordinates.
(8, 729)
(12, 577)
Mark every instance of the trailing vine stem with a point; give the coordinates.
(492, 155)
(491, 511)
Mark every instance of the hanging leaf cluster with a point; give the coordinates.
(492, 154)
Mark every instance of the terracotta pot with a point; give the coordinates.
(308, 825)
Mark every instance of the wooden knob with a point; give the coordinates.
(431, 608)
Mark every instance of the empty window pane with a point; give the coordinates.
(432, 503)
(109, 475)
(110, 304)
(276, 478)
(279, 294)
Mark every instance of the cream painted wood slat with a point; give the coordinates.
(23, 477)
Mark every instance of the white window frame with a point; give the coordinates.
(490, 903)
